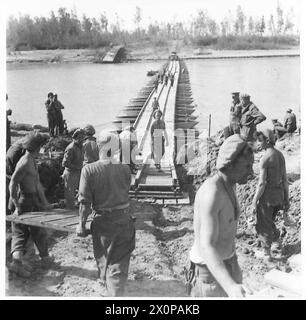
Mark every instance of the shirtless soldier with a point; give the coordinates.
(31, 198)
(272, 193)
(216, 213)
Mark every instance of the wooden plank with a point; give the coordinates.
(170, 201)
(68, 223)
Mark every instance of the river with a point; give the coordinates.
(94, 93)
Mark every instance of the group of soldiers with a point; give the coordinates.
(245, 116)
(289, 126)
(56, 123)
(214, 270)
(100, 180)
(164, 77)
(102, 190)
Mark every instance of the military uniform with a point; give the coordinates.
(250, 117)
(290, 122)
(73, 163)
(105, 186)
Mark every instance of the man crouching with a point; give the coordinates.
(216, 213)
(103, 191)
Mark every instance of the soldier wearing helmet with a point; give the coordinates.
(91, 151)
(73, 162)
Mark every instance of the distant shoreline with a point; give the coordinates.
(94, 56)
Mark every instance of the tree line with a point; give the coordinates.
(65, 30)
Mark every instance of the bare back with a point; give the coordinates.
(274, 163)
(214, 221)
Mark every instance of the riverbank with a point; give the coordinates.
(164, 235)
(139, 54)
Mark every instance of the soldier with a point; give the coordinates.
(91, 151)
(158, 138)
(235, 113)
(156, 83)
(250, 117)
(290, 121)
(31, 197)
(128, 147)
(73, 163)
(171, 79)
(155, 105)
(216, 214)
(166, 79)
(8, 127)
(272, 193)
(162, 76)
(104, 190)
(59, 124)
(51, 114)
(278, 129)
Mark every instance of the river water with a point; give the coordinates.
(95, 93)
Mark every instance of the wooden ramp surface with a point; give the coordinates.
(112, 54)
(57, 219)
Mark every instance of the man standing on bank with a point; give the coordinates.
(216, 214)
(235, 113)
(73, 163)
(272, 193)
(290, 121)
(250, 117)
(51, 114)
(104, 189)
(31, 197)
(59, 125)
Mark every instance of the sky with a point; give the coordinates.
(152, 10)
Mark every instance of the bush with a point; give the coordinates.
(205, 41)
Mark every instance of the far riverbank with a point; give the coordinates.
(139, 54)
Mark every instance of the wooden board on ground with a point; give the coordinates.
(57, 219)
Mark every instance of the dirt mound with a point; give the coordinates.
(58, 144)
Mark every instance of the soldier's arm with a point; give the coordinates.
(17, 177)
(259, 116)
(208, 204)
(262, 181)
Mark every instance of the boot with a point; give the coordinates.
(16, 267)
(46, 262)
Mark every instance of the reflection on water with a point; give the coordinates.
(94, 93)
